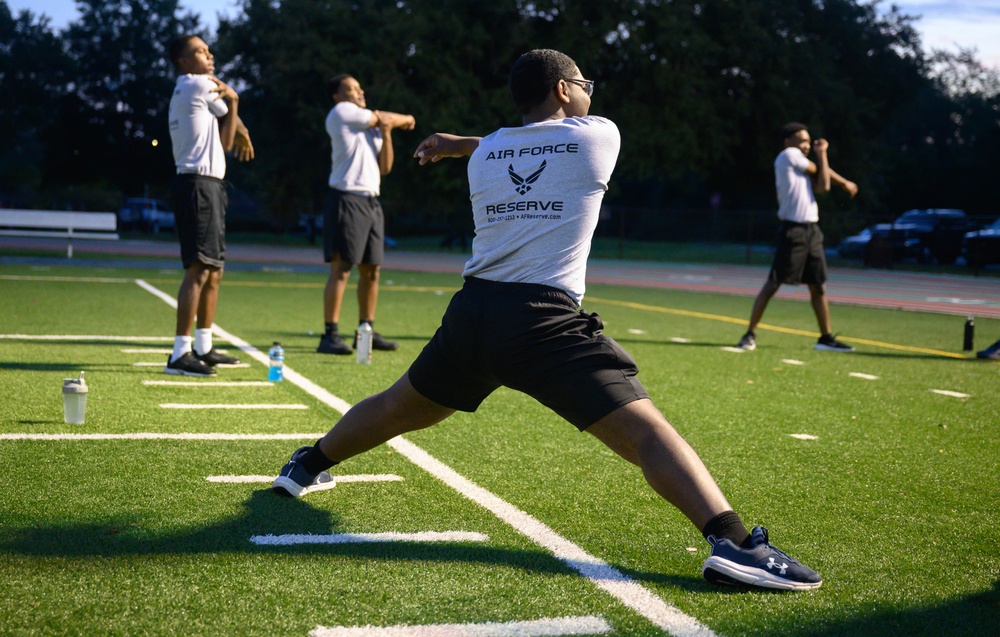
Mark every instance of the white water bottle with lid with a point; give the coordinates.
(364, 349)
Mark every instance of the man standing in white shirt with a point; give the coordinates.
(204, 125)
(536, 194)
(799, 257)
(353, 222)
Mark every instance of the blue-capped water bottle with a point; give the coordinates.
(276, 372)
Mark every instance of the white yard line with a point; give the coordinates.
(160, 436)
(85, 337)
(804, 436)
(734, 350)
(953, 394)
(147, 350)
(367, 538)
(791, 361)
(587, 625)
(864, 376)
(625, 590)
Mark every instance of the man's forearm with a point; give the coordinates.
(821, 181)
(393, 120)
(227, 130)
(387, 156)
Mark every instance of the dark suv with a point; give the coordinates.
(141, 213)
(933, 234)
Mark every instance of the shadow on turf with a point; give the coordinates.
(266, 513)
(55, 367)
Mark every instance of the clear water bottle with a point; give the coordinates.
(365, 343)
(276, 372)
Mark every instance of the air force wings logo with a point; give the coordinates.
(522, 184)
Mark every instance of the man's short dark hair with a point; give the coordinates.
(790, 129)
(535, 74)
(178, 48)
(333, 84)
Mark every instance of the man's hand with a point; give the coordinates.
(850, 187)
(820, 145)
(224, 90)
(390, 120)
(242, 146)
(441, 145)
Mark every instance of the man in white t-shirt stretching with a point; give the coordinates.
(353, 223)
(200, 103)
(799, 257)
(536, 197)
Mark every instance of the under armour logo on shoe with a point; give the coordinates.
(771, 564)
(521, 183)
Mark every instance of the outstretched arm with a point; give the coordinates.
(393, 120)
(441, 145)
(846, 184)
(387, 155)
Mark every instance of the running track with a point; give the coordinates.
(946, 294)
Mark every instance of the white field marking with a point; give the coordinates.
(549, 627)
(146, 435)
(632, 330)
(804, 436)
(678, 339)
(630, 593)
(953, 394)
(865, 376)
(791, 361)
(368, 538)
(735, 350)
(360, 477)
(165, 350)
(232, 406)
(84, 337)
(232, 366)
(210, 383)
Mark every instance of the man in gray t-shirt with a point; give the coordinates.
(536, 193)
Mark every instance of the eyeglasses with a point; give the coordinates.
(586, 85)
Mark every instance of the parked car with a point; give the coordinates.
(854, 247)
(982, 247)
(149, 215)
(933, 234)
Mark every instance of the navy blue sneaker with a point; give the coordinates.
(761, 566)
(294, 481)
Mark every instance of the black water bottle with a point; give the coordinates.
(970, 330)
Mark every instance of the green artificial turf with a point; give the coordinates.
(893, 501)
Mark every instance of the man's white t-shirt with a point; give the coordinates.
(796, 201)
(194, 127)
(536, 195)
(355, 148)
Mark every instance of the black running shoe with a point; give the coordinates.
(379, 343)
(747, 342)
(214, 357)
(188, 365)
(829, 343)
(294, 481)
(333, 345)
(760, 566)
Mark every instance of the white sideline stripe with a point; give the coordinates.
(804, 436)
(160, 436)
(165, 350)
(633, 330)
(865, 376)
(360, 477)
(84, 337)
(587, 625)
(232, 406)
(735, 350)
(678, 339)
(368, 538)
(953, 394)
(16, 277)
(791, 361)
(210, 383)
(628, 592)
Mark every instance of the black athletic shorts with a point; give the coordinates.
(531, 338)
(799, 257)
(199, 204)
(354, 227)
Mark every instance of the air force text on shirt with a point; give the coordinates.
(523, 181)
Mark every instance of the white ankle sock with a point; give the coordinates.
(182, 345)
(202, 341)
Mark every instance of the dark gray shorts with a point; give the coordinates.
(799, 257)
(354, 228)
(531, 338)
(199, 204)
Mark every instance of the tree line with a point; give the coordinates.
(698, 89)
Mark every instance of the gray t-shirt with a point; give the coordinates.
(536, 195)
(355, 146)
(796, 201)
